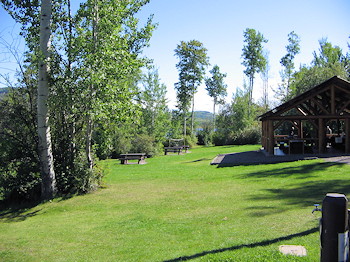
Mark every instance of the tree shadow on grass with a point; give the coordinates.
(304, 194)
(15, 212)
(198, 160)
(299, 172)
(251, 245)
(10, 212)
(262, 211)
(298, 192)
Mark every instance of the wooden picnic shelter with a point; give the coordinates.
(318, 120)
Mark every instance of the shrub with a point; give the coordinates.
(20, 181)
(191, 140)
(250, 135)
(102, 144)
(219, 139)
(78, 178)
(19, 168)
(205, 137)
(144, 144)
(121, 145)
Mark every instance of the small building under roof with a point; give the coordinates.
(313, 122)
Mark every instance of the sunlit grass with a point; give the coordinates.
(179, 207)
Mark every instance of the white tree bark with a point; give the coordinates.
(89, 122)
(48, 185)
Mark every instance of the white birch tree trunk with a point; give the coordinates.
(89, 122)
(48, 185)
(214, 114)
(192, 115)
(88, 146)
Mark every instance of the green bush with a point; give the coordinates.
(121, 145)
(19, 165)
(20, 181)
(191, 140)
(205, 137)
(19, 169)
(78, 178)
(102, 144)
(219, 139)
(144, 144)
(250, 135)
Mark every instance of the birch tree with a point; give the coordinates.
(35, 23)
(48, 188)
(110, 42)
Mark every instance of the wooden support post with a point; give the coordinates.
(333, 100)
(264, 133)
(301, 129)
(321, 136)
(270, 137)
(347, 135)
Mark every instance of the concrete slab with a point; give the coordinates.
(293, 250)
(260, 157)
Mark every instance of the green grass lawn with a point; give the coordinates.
(179, 208)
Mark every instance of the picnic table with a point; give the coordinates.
(124, 158)
(175, 149)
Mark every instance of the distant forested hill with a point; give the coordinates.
(202, 117)
(205, 115)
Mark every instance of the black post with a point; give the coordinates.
(334, 230)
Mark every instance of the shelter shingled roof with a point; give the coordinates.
(329, 100)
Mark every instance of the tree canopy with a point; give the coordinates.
(253, 56)
(287, 61)
(216, 87)
(193, 61)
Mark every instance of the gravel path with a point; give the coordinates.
(259, 157)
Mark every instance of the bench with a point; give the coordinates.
(174, 149)
(124, 158)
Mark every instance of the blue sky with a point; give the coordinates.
(219, 25)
